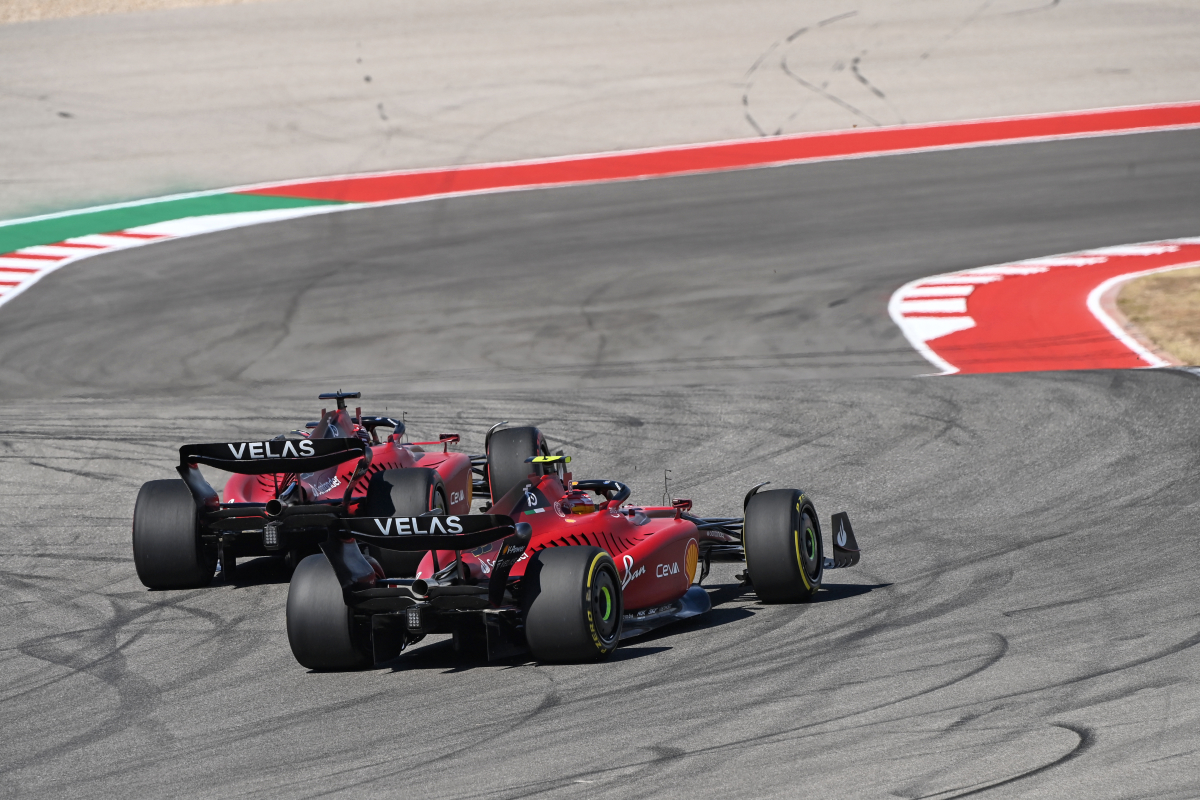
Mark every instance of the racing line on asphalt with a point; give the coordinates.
(1038, 314)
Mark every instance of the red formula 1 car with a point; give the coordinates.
(283, 492)
(561, 568)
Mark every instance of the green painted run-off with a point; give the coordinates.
(16, 235)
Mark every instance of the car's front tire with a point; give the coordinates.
(784, 553)
(573, 607)
(167, 550)
(320, 626)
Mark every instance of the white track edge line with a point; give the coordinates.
(673, 149)
(332, 206)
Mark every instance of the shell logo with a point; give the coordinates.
(691, 556)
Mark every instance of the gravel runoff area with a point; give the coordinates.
(1165, 308)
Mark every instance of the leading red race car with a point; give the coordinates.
(339, 466)
(562, 568)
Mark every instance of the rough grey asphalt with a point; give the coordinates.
(1023, 624)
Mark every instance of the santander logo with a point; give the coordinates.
(630, 572)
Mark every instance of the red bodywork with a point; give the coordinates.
(330, 484)
(656, 550)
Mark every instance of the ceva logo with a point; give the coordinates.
(665, 570)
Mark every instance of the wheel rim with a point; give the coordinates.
(811, 549)
(808, 546)
(606, 609)
(606, 604)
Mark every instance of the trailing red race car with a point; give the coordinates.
(562, 568)
(338, 466)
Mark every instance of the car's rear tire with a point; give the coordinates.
(572, 601)
(506, 454)
(402, 493)
(167, 550)
(785, 556)
(320, 626)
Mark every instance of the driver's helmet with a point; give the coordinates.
(577, 501)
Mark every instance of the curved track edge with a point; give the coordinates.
(33, 247)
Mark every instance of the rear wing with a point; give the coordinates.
(433, 533)
(264, 458)
(441, 532)
(273, 456)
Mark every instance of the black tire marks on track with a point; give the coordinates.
(996, 511)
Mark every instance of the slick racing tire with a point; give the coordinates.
(402, 493)
(506, 454)
(572, 601)
(320, 626)
(167, 550)
(784, 553)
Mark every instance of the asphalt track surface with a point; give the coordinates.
(1024, 621)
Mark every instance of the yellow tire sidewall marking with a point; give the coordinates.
(796, 540)
(588, 596)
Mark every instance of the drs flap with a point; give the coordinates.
(431, 532)
(276, 455)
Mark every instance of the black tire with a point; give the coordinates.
(320, 626)
(402, 493)
(784, 552)
(507, 451)
(572, 601)
(167, 550)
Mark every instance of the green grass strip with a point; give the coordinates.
(48, 230)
